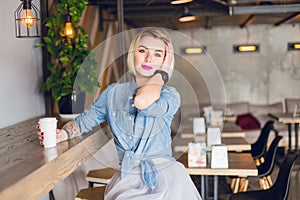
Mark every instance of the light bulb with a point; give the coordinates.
(28, 18)
(69, 30)
(174, 2)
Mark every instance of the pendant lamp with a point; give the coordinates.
(27, 20)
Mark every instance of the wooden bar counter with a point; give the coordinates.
(28, 171)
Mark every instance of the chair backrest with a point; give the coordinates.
(281, 185)
(290, 104)
(259, 147)
(176, 123)
(267, 167)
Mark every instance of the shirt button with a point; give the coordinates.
(130, 137)
(132, 105)
(130, 118)
(130, 97)
(113, 113)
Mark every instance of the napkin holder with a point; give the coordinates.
(213, 136)
(199, 125)
(197, 154)
(219, 157)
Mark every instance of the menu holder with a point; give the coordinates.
(216, 118)
(219, 157)
(199, 125)
(213, 136)
(197, 154)
(207, 113)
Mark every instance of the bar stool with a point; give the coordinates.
(96, 193)
(100, 176)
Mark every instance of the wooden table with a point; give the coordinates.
(28, 171)
(289, 120)
(229, 129)
(241, 165)
(237, 144)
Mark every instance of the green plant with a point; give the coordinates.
(68, 54)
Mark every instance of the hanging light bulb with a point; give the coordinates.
(69, 30)
(27, 20)
(174, 2)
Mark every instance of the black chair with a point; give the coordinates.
(259, 147)
(266, 168)
(280, 189)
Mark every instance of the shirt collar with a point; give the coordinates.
(132, 85)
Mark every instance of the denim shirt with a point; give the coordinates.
(139, 135)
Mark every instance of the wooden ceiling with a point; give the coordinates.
(209, 13)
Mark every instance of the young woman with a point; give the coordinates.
(139, 114)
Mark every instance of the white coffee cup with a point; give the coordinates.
(48, 126)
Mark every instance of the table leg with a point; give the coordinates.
(206, 187)
(290, 137)
(215, 187)
(202, 187)
(296, 137)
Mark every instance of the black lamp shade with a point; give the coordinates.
(187, 16)
(27, 20)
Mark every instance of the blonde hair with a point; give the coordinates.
(153, 32)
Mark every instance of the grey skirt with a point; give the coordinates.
(173, 183)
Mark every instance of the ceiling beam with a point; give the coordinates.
(128, 3)
(248, 21)
(267, 1)
(213, 5)
(294, 15)
(264, 9)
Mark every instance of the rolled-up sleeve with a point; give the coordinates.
(95, 115)
(166, 105)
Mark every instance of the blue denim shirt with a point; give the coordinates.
(139, 135)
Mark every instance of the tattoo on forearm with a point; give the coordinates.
(72, 129)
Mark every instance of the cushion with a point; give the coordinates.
(247, 122)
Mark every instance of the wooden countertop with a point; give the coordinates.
(28, 171)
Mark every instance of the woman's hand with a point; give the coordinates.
(61, 135)
(169, 59)
(150, 92)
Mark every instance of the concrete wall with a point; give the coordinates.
(217, 76)
(21, 72)
(260, 78)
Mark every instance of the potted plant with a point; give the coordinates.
(67, 56)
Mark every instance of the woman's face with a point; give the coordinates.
(149, 56)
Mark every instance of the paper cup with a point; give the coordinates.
(50, 154)
(48, 126)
